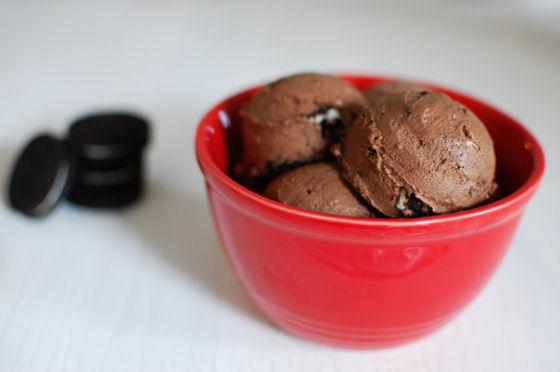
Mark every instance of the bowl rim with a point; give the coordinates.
(521, 193)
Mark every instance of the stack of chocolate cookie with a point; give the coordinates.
(99, 164)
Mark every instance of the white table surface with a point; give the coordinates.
(148, 288)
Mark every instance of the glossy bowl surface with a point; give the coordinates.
(364, 283)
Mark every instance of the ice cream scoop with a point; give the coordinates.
(375, 92)
(418, 153)
(293, 121)
(318, 187)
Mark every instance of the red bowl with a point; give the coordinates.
(364, 283)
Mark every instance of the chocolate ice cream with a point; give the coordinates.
(374, 93)
(318, 187)
(293, 121)
(418, 153)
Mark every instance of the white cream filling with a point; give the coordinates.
(401, 202)
(331, 114)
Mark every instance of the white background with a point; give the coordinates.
(148, 288)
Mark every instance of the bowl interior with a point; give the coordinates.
(519, 156)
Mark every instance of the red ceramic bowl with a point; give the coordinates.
(364, 283)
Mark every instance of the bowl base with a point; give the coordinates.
(348, 337)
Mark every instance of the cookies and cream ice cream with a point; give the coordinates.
(318, 187)
(418, 153)
(293, 121)
(375, 92)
